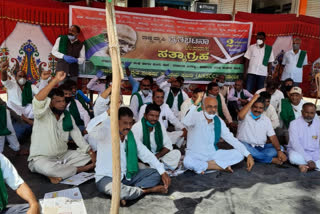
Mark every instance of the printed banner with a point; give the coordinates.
(195, 49)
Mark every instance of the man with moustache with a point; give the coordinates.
(204, 131)
(49, 154)
(254, 128)
(135, 182)
(304, 138)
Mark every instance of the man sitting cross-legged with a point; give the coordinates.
(153, 135)
(134, 181)
(254, 128)
(49, 154)
(304, 135)
(204, 132)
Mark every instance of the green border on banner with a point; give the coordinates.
(143, 64)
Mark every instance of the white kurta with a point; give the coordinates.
(12, 138)
(55, 51)
(9, 173)
(134, 104)
(200, 143)
(273, 116)
(296, 110)
(101, 105)
(290, 60)
(84, 115)
(276, 98)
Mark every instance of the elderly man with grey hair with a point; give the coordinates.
(293, 62)
(204, 131)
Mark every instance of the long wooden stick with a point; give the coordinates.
(116, 78)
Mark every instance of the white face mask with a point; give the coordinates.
(220, 84)
(71, 37)
(22, 81)
(209, 116)
(146, 92)
(259, 42)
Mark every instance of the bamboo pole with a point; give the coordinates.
(117, 74)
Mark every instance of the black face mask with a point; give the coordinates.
(175, 90)
(68, 99)
(288, 87)
(56, 111)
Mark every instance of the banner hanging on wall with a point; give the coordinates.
(198, 50)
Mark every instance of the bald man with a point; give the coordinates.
(204, 132)
(293, 62)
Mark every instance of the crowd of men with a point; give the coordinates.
(161, 131)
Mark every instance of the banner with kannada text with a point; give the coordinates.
(198, 50)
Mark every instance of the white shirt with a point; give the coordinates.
(255, 55)
(101, 105)
(48, 138)
(165, 115)
(104, 154)
(134, 104)
(83, 113)
(201, 136)
(231, 96)
(276, 97)
(273, 116)
(165, 86)
(95, 85)
(138, 133)
(15, 95)
(55, 51)
(185, 107)
(9, 173)
(255, 132)
(290, 60)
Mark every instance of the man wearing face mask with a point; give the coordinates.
(257, 64)
(221, 83)
(70, 53)
(79, 114)
(304, 135)
(174, 96)
(49, 154)
(153, 135)
(269, 110)
(204, 131)
(293, 62)
(254, 128)
(286, 86)
(144, 96)
(20, 94)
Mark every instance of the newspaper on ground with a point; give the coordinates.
(78, 179)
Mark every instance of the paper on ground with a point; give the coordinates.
(64, 201)
(78, 179)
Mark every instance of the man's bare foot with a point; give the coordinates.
(229, 169)
(276, 161)
(123, 203)
(303, 168)
(202, 173)
(156, 189)
(55, 180)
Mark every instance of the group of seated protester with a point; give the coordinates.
(162, 130)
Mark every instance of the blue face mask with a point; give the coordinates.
(150, 125)
(255, 117)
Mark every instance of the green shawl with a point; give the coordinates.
(242, 96)
(75, 113)
(3, 193)
(267, 53)
(67, 122)
(146, 135)
(286, 114)
(63, 45)
(217, 131)
(132, 156)
(140, 101)
(27, 94)
(3, 122)
(83, 102)
(170, 99)
(302, 56)
(220, 112)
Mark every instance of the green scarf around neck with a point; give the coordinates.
(286, 114)
(3, 193)
(140, 101)
(267, 54)
(220, 112)
(83, 102)
(3, 122)
(217, 131)
(63, 45)
(242, 96)
(67, 121)
(27, 94)
(75, 113)
(301, 58)
(132, 156)
(146, 135)
(170, 99)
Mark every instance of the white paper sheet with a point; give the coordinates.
(78, 179)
